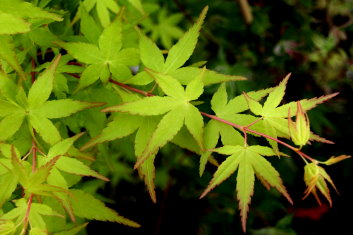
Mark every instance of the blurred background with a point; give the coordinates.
(263, 41)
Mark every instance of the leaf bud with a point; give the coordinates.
(300, 129)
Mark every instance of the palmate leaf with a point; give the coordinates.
(165, 29)
(86, 206)
(180, 111)
(250, 163)
(105, 59)
(227, 110)
(274, 117)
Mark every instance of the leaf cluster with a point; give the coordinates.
(112, 82)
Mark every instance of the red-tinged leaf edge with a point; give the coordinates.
(317, 138)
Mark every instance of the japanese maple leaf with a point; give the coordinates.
(175, 107)
(15, 106)
(249, 161)
(274, 117)
(105, 59)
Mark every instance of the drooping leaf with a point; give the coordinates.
(245, 188)
(167, 128)
(250, 163)
(122, 125)
(86, 206)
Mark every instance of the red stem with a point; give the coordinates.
(131, 88)
(26, 219)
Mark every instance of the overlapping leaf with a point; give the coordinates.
(227, 110)
(107, 58)
(274, 117)
(249, 161)
(177, 113)
(14, 15)
(37, 108)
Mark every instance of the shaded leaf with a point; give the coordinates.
(86, 206)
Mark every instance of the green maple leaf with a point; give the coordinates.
(7, 52)
(86, 206)
(35, 216)
(166, 29)
(36, 107)
(105, 59)
(249, 161)
(60, 86)
(176, 108)
(69, 164)
(274, 117)
(103, 8)
(16, 16)
(230, 111)
(152, 58)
